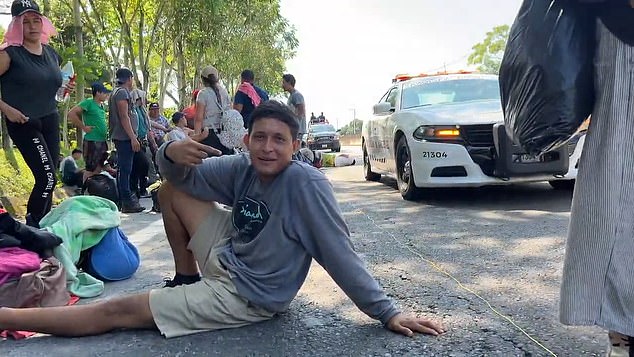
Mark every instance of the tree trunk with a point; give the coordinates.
(6, 141)
(163, 79)
(146, 74)
(79, 40)
(181, 81)
(46, 7)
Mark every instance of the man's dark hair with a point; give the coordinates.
(289, 78)
(247, 76)
(176, 117)
(275, 110)
(76, 151)
(122, 75)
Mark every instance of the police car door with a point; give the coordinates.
(388, 126)
(380, 138)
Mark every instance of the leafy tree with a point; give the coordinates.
(488, 53)
(352, 128)
(167, 42)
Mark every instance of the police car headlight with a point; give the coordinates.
(437, 132)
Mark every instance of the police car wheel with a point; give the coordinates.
(367, 169)
(404, 172)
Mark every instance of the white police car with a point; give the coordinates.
(447, 130)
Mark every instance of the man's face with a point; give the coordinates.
(102, 97)
(271, 147)
(32, 27)
(286, 86)
(154, 113)
(77, 156)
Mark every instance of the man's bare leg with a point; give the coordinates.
(129, 312)
(182, 215)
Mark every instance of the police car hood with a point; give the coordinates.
(474, 112)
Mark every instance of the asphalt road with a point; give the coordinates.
(486, 262)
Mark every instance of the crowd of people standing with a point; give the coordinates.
(121, 116)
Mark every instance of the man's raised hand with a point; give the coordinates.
(191, 152)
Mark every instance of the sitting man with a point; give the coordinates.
(253, 260)
(180, 130)
(72, 175)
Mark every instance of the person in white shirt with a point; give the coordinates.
(180, 131)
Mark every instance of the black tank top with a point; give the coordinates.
(30, 83)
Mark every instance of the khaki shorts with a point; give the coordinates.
(212, 303)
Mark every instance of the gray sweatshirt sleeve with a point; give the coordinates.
(213, 180)
(325, 235)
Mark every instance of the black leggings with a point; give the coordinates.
(38, 142)
(213, 141)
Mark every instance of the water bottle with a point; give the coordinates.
(68, 76)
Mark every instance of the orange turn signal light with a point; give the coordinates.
(446, 132)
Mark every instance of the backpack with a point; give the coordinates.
(102, 186)
(45, 287)
(113, 258)
(313, 158)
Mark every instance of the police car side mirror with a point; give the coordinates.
(382, 108)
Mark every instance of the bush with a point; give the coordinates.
(17, 181)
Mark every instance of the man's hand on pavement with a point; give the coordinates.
(407, 325)
(191, 152)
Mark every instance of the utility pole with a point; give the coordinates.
(354, 124)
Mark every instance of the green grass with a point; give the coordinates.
(17, 181)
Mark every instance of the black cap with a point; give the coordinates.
(123, 74)
(19, 7)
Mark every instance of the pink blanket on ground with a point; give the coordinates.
(16, 261)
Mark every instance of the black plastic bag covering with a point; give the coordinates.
(102, 186)
(546, 76)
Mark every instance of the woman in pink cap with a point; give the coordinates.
(29, 77)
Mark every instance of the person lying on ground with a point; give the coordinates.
(253, 259)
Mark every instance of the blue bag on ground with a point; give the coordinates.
(546, 76)
(114, 258)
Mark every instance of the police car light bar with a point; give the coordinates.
(406, 77)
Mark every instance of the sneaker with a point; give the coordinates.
(134, 207)
(619, 345)
(179, 280)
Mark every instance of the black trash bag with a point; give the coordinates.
(546, 76)
(102, 186)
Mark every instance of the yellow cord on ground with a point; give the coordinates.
(438, 268)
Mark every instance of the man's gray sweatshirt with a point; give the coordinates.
(278, 228)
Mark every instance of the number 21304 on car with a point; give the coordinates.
(434, 155)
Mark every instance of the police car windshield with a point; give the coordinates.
(425, 93)
(322, 129)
